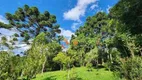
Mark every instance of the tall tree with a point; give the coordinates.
(95, 31)
(129, 12)
(30, 22)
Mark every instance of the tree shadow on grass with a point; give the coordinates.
(54, 78)
(79, 79)
(50, 78)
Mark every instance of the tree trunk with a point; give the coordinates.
(22, 73)
(131, 50)
(68, 71)
(43, 65)
(61, 68)
(110, 58)
(141, 51)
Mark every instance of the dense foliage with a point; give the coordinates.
(112, 41)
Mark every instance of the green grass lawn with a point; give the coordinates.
(82, 74)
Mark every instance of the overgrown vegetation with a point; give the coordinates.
(112, 41)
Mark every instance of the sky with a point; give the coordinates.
(70, 14)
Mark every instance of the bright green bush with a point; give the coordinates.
(89, 66)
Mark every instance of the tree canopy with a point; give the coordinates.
(129, 13)
(30, 22)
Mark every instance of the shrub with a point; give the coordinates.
(89, 66)
(131, 68)
(72, 75)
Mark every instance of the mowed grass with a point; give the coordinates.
(81, 72)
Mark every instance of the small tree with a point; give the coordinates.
(10, 66)
(91, 58)
(73, 75)
(62, 59)
(89, 66)
(35, 60)
(4, 60)
(131, 68)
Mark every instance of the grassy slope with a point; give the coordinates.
(82, 73)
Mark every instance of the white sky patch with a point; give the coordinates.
(3, 19)
(21, 49)
(6, 32)
(108, 8)
(99, 10)
(94, 6)
(66, 33)
(78, 11)
(74, 25)
(19, 45)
